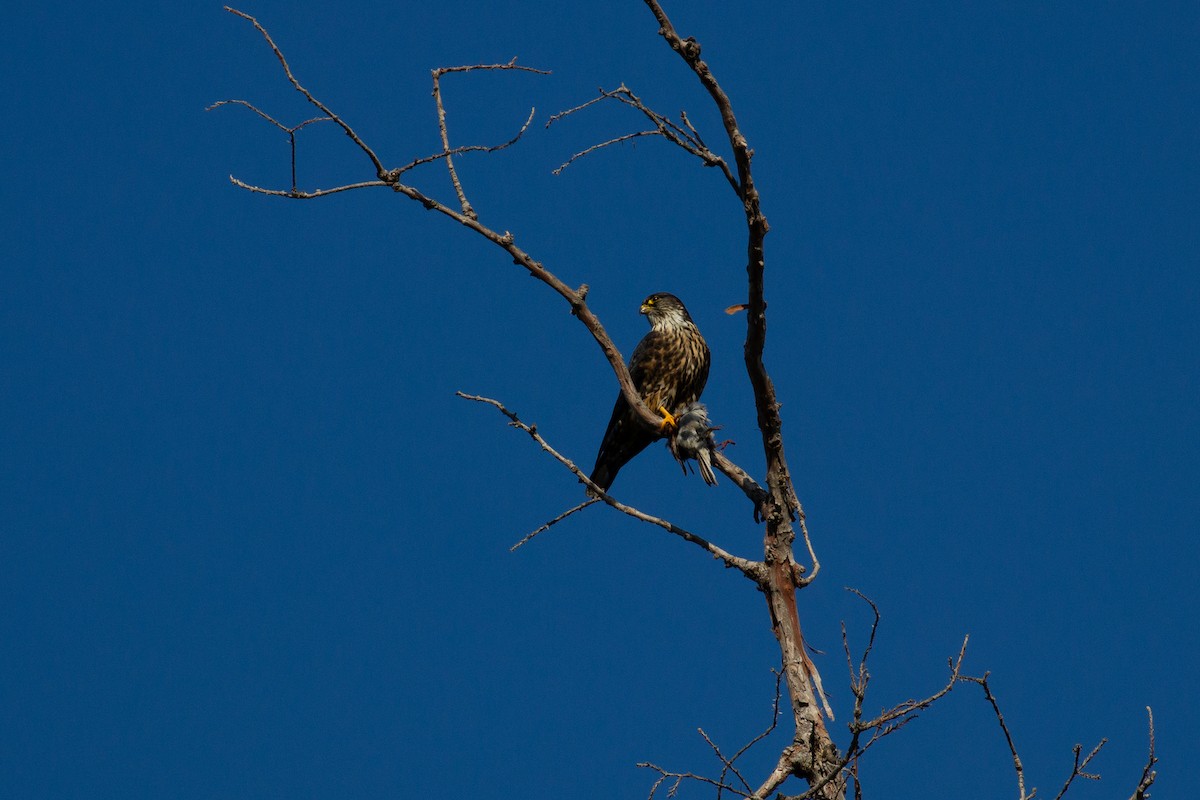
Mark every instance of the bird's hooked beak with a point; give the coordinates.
(645, 309)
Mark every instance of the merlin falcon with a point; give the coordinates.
(669, 368)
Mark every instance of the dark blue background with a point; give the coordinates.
(252, 546)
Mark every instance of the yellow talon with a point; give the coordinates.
(668, 421)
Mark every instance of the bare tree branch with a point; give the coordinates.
(616, 140)
(441, 118)
(751, 569)
(687, 139)
(379, 170)
(1012, 748)
(812, 755)
(300, 195)
(555, 521)
(680, 777)
(1078, 767)
(576, 298)
(506, 241)
(1142, 791)
(291, 132)
(470, 148)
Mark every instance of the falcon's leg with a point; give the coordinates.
(668, 421)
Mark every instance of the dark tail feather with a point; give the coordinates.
(602, 478)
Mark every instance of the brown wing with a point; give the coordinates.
(625, 436)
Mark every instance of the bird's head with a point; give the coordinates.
(665, 311)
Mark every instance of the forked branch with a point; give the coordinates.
(751, 569)
(684, 136)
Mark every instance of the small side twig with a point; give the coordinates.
(303, 195)
(899, 715)
(685, 137)
(469, 148)
(1142, 791)
(680, 777)
(812, 553)
(290, 131)
(1078, 767)
(555, 521)
(727, 764)
(379, 170)
(1012, 748)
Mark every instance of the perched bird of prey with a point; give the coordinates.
(693, 440)
(669, 368)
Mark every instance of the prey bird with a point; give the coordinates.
(693, 441)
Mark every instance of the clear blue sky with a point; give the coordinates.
(252, 546)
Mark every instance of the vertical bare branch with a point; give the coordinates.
(756, 222)
(1012, 748)
(1142, 791)
(812, 755)
(441, 118)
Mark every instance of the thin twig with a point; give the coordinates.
(291, 132)
(1078, 767)
(441, 119)
(1142, 791)
(300, 195)
(812, 554)
(267, 116)
(595, 147)
(604, 95)
(727, 765)
(467, 210)
(379, 170)
(555, 521)
(680, 777)
(1012, 748)
(770, 728)
(910, 707)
